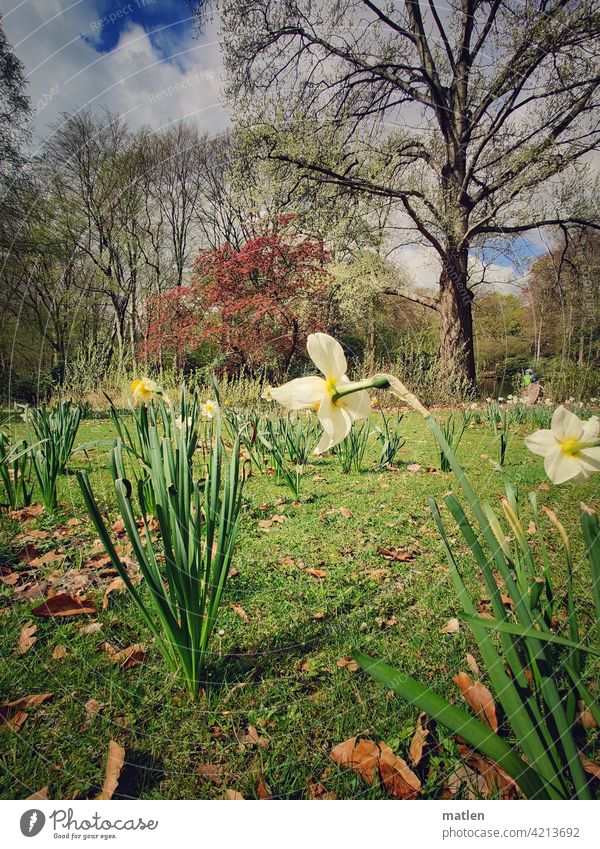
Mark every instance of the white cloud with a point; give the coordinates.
(66, 73)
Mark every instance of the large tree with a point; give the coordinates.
(464, 114)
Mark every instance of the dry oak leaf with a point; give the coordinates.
(64, 604)
(472, 664)
(265, 524)
(262, 789)
(419, 740)
(252, 738)
(589, 766)
(40, 794)
(316, 573)
(239, 611)
(398, 554)
(278, 518)
(211, 772)
(585, 716)
(233, 794)
(30, 552)
(27, 513)
(90, 628)
(347, 663)
(376, 761)
(479, 698)
(451, 627)
(343, 511)
(59, 652)
(48, 557)
(130, 657)
(13, 714)
(116, 584)
(114, 765)
(316, 790)
(27, 637)
(497, 781)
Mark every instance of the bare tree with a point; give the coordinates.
(463, 115)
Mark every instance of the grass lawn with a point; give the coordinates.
(283, 630)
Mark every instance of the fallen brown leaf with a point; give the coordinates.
(48, 557)
(40, 794)
(262, 789)
(114, 765)
(376, 761)
(343, 511)
(419, 740)
(211, 772)
(27, 637)
(27, 513)
(116, 584)
(399, 554)
(64, 604)
(472, 664)
(130, 657)
(33, 700)
(451, 627)
(90, 628)
(233, 794)
(479, 698)
(239, 611)
(316, 573)
(92, 709)
(59, 652)
(347, 663)
(251, 738)
(589, 766)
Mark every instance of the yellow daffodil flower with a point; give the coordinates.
(144, 390)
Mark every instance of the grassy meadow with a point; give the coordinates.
(356, 562)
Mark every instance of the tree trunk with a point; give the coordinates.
(454, 306)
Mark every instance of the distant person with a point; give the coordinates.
(529, 377)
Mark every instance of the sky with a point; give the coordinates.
(141, 58)
(146, 60)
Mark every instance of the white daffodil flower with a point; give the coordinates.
(208, 409)
(571, 448)
(181, 423)
(336, 412)
(267, 394)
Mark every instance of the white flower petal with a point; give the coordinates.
(358, 405)
(591, 429)
(566, 425)
(336, 424)
(328, 356)
(589, 459)
(541, 442)
(561, 467)
(300, 394)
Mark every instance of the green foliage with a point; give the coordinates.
(389, 438)
(537, 674)
(453, 431)
(15, 472)
(57, 425)
(198, 525)
(351, 451)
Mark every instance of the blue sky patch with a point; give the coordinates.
(167, 23)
